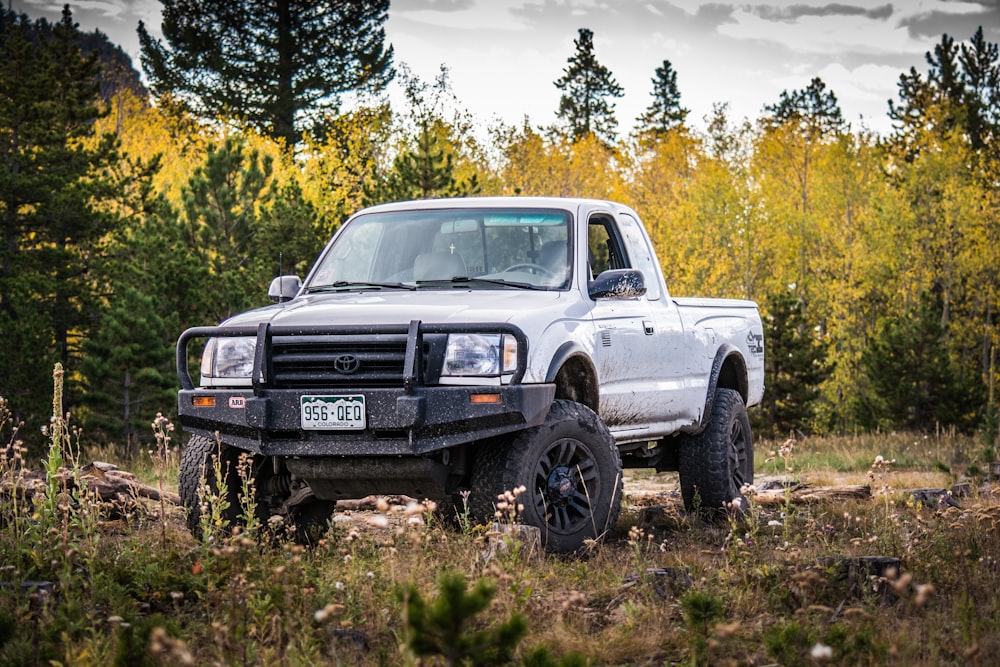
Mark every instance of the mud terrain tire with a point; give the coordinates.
(715, 465)
(199, 461)
(572, 473)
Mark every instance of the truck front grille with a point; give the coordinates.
(341, 361)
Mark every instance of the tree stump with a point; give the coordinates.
(864, 574)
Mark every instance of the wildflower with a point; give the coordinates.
(723, 630)
(821, 652)
(924, 592)
(378, 521)
(902, 584)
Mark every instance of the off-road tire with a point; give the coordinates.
(198, 471)
(572, 473)
(714, 465)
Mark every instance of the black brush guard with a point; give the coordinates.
(408, 412)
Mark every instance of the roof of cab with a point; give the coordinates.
(565, 203)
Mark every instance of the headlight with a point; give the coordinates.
(228, 358)
(480, 355)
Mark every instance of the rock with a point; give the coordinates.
(506, 538)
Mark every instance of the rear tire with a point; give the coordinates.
(714, 465)
(572, 473)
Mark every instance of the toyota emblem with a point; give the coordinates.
(345, 364)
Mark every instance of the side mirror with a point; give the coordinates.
(618, 284)
(284, 288)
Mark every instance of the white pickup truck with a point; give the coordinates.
(456, 349)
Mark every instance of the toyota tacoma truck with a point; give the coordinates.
(457, 349)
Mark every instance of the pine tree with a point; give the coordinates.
(961, 91)
(945, 158)
(51, 182)
(423, 172)
(665, 112)
(980, 64)
(795, 365)
(129, 369)
(276, 65)
(587, 84)
(814, 110)
(222, 206)
(425, 167)
(448, 625)
(911, 378)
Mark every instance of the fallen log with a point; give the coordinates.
(804, 494)
(103, 480)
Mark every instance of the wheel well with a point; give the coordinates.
(733, 375)
(577, 381)
(729, 371)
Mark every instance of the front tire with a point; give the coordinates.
(571, 471)
(201, 464)
(714, 465)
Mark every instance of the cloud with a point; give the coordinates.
(791, 13)
(960, 22)
(434, 5)
(835, 35)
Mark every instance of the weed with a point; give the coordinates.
(79, 587)
(162, 457)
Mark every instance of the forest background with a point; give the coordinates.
(135, 207)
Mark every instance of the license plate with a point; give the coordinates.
(333, 413)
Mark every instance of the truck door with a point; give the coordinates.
(678, 361)
(625, 346)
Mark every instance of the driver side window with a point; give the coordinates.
(605, 251)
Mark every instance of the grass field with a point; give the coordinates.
(791, 584)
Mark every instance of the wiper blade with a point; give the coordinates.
(341, 284)
(489, 281)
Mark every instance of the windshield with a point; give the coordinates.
(475, 249)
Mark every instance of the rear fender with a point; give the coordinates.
(729, 371)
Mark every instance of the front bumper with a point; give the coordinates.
(411, 419)
(429, 419)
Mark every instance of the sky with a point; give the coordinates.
(503, 56)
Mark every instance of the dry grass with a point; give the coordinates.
(665, 588)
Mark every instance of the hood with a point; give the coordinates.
(400, 307)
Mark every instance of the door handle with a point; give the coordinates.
(648, 328)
